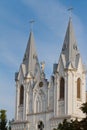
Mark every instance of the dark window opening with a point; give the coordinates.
(62, 84)
(78, 88)
(21, 95)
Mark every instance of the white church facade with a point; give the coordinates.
(41, 105)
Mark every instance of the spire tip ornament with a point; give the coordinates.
(70, 11)
(31, 24)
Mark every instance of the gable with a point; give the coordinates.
(21, 74)
(60, 65)
(80, 65)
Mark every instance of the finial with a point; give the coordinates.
(70, 11)
(42, 70)
(42, 66)
(31, 24)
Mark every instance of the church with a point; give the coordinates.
(42, 104)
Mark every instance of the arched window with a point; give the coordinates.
(78, 88)
(21, 95)
(62, 88)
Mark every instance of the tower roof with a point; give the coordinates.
(30, 57)
(70, 49)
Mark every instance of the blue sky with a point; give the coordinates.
(51, 19)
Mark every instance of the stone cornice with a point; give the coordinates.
(38, 113)
(19, 122)
(61, 117)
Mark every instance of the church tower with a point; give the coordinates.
(31, 91)
(41, 105)
(28, 75)
(70, 79)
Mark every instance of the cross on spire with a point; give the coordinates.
(31, 24)
(70, 11)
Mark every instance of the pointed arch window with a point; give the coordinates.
(78, 88)
(21, 95)
(62, 88)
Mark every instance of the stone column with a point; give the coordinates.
(66, 86)
(24, 104)
(17, 101)
(55, 94)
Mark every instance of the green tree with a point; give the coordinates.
(75, 124)
(84, 108)
(64, 126)
(69, 125)
(3, 120)
(84, 120)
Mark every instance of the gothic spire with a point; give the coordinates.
(70, 50)
(30, 58)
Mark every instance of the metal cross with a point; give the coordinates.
(70, 10)
(31, 24)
